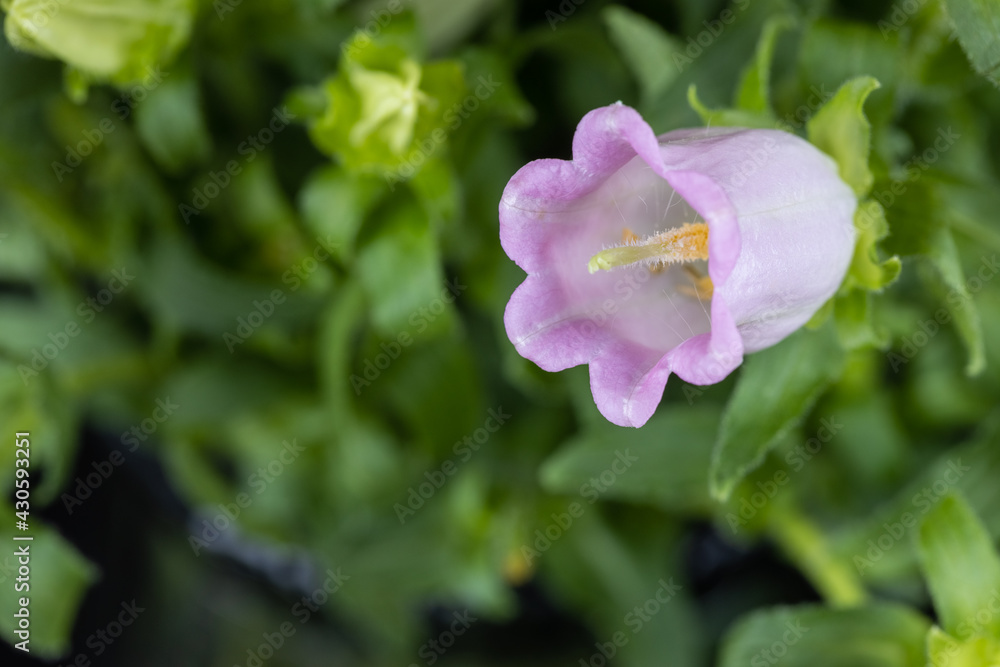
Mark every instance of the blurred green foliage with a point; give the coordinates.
(282, 218)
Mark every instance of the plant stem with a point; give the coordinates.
(804, 544)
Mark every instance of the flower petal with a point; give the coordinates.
(545, 328)
(780, 239)
(627, 382)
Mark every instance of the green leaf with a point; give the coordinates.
(805, 545)
(977, 23)
(625, 568)
(775, 389)
(867, 270)
(862, 49)
(920, 220)
(34, 397)
(879, 635)
(435, 392)
(491, 76)
(673, 454)
(916, 215)
(436, 186)
(22, 251)
(175, 272)
(754, 93)
(59, 578)
(212, 396)
(342, 316)
(728, 117)
(853, 316)
(821, 316)
(445, 23)
(972, 468)
(647, 49)
(752, 100)
(257, 203)
(400, 270)
(841, 130)
(952, 284)
(170, 123)
(334, 203)
(946, 651)
(365, 463)
(962, 569)
(873, 445)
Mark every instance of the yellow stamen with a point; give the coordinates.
(686, 243)
(701, 288)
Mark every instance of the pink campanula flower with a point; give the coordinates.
(651, 255)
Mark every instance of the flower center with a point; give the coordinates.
(686, 243)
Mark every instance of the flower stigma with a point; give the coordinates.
(687, 243)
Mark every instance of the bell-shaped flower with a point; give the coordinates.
(385, 110)
(679, 254)
(122, 41)
(388, 103)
